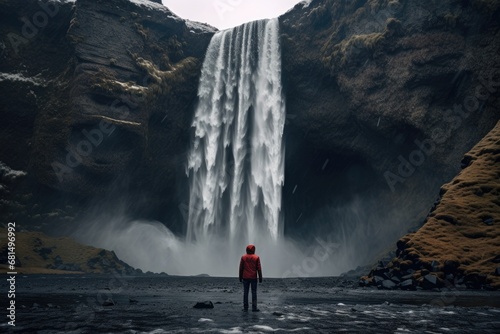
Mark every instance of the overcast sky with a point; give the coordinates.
(224, 14)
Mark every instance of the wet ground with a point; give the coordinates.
(161, 304)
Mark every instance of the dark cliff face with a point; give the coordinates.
(102, 101)
(383, 99)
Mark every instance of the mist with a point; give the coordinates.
(342, 237)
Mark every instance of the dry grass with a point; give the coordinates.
(465, 226)
(36, 270)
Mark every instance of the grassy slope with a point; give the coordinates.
(464, 228)
(37, 253)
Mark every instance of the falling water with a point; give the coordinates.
(236, 165)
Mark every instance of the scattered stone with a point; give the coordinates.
(364, 282)
(435, 265)
(278, 314)
(497, 271)
(35, 305)
(406, 277)
(386, 275)
(218, 302)
(205, 304)
(132, 301)
(108, 302)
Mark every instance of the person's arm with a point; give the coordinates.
(242, 264)
(259, 270)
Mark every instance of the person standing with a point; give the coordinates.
(249, 269)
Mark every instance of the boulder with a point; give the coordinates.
(388, 284)
(489, 221)
(377, 280)
(108, 302)
(205, 304)
(430, 282)
(475, 280)
(408, 284)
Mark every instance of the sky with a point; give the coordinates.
(224, 14)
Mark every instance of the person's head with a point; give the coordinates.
(250, 249)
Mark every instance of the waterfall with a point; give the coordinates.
(236, 161)
(235, 169)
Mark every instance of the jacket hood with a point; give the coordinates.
(250, 249)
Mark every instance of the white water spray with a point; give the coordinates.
(236, 165)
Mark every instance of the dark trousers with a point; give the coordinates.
(246, 287)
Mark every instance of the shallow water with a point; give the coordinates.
(161, 304)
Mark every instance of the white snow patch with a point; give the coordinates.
(150, 5)
(21, 78)
(201, 27)
(205, 320)
(305, 3)
(195, 27)
(130, 87)
(10, 173)
(117, 121)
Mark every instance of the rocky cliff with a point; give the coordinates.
(97, 96)
(459, 244)
(383, 99)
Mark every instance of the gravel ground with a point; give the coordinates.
(164, 304)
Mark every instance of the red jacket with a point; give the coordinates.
(250, 265)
